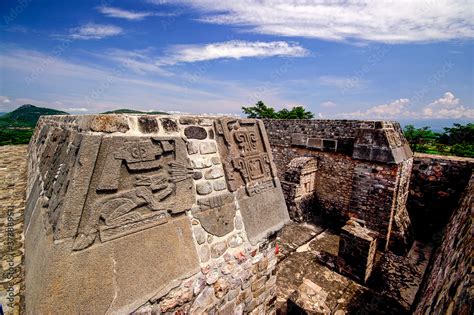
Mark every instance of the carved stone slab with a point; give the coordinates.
(216, 214)
(138, 182)
(250, 171)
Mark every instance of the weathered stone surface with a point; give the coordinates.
(148, 124)
(357, 248)
(218, 249)
(169, 125)
(12, 189)
(219, 185)
(234, 241)
(448, 285)
(201, 162)
(119, 275)
(436, 184)
(204, 188)
(250, 171)
(214, 173)
(208, 147)
(113, 206)
(109, 123)
(354, 160)
(263, 214)
(193, 147)
(193, 132)
(216, 214)
(204, 253)
(199, 234)
(128, 201)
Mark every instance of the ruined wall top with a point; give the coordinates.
(378, 141)
(140, 202)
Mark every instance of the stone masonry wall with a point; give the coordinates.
(169, 214)
(12, 203)
(448, 288)
(363, 171)
(436, 185)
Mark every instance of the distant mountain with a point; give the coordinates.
(131, 111)
(29, 114)
(2, 113)
(16, 127)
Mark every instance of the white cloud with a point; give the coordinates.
(328, 104)
(395, 109)
(95, 31)
(137, 61)
(4, 99)
(124, 14)
(231, 50)
(447, 107)
(99, 88)
(386, 21)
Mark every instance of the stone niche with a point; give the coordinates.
(299, 186)
(122, 209)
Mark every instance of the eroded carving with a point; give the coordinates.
(246, 161)
(216, 214)
(137, 184)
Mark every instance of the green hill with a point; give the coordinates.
(29, 114)
(131, 111)
(17, 126)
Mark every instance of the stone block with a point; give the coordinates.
(148, 124)
(193, 132)
(193, 147)
(207, 147)
(218, 249)
(214, 173)
(204, 188)
(357, 249)
(249, 170)
(216, 214)
(169, 125)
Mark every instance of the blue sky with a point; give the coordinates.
(339, 59)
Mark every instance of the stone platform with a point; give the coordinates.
(124, 212)
(309, 279)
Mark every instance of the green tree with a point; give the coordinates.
(458, 134)
(460, 138)
(260, 110)
(297, 112)
(419, 138)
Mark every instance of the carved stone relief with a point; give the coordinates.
(249, 171)
(246, 160)
(216, 214)
(138, 183)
